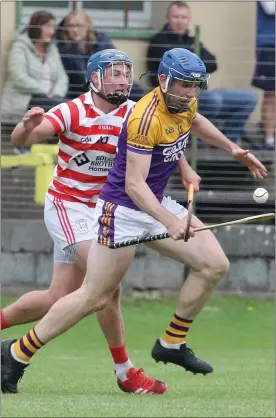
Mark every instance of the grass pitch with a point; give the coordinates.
(73, 375)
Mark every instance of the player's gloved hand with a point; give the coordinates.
(256, 168)
(33, 118)
(177, 230)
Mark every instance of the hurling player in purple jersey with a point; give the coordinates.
(132, 205)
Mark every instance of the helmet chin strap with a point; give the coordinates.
(172, 109)
(113, 98)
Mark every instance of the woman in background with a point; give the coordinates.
(77, 40)
(36, 76)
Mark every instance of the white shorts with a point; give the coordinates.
(68, 222)
(114, 223)
(63, 256)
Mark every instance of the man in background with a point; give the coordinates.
(229, 106)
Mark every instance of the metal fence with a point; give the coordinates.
(226, 188)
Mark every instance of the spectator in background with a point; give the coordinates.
(264, 75)
(231, 106)
(77, 40)
(36, 76)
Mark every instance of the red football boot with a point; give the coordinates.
(138, 383)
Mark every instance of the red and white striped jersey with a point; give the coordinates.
(87, 147)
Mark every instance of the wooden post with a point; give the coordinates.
(194, 138)
(126, 12)
(18, 13)
(74, 5)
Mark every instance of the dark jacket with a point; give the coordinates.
(165, 40)
(75, 63)
(265, 28)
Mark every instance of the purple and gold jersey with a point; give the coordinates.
(149, 129)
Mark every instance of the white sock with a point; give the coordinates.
(122, 369)
(168, 345)
(15, 356)
(270, 141)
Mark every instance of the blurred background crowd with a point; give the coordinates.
(46, 44)
(46, 59)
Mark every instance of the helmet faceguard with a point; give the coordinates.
(108, 61)
(189, 71)
(183, 103)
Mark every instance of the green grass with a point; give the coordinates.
(73, 375)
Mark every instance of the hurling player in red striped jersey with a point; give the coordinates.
(132, 204)
(88, 128)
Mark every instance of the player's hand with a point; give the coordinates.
(177, 230)
(191, 177)
(256, 168)
(33, 118)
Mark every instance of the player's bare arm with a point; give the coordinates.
(32, 129)
(188, 175)
(205, 130)
(137, 170)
